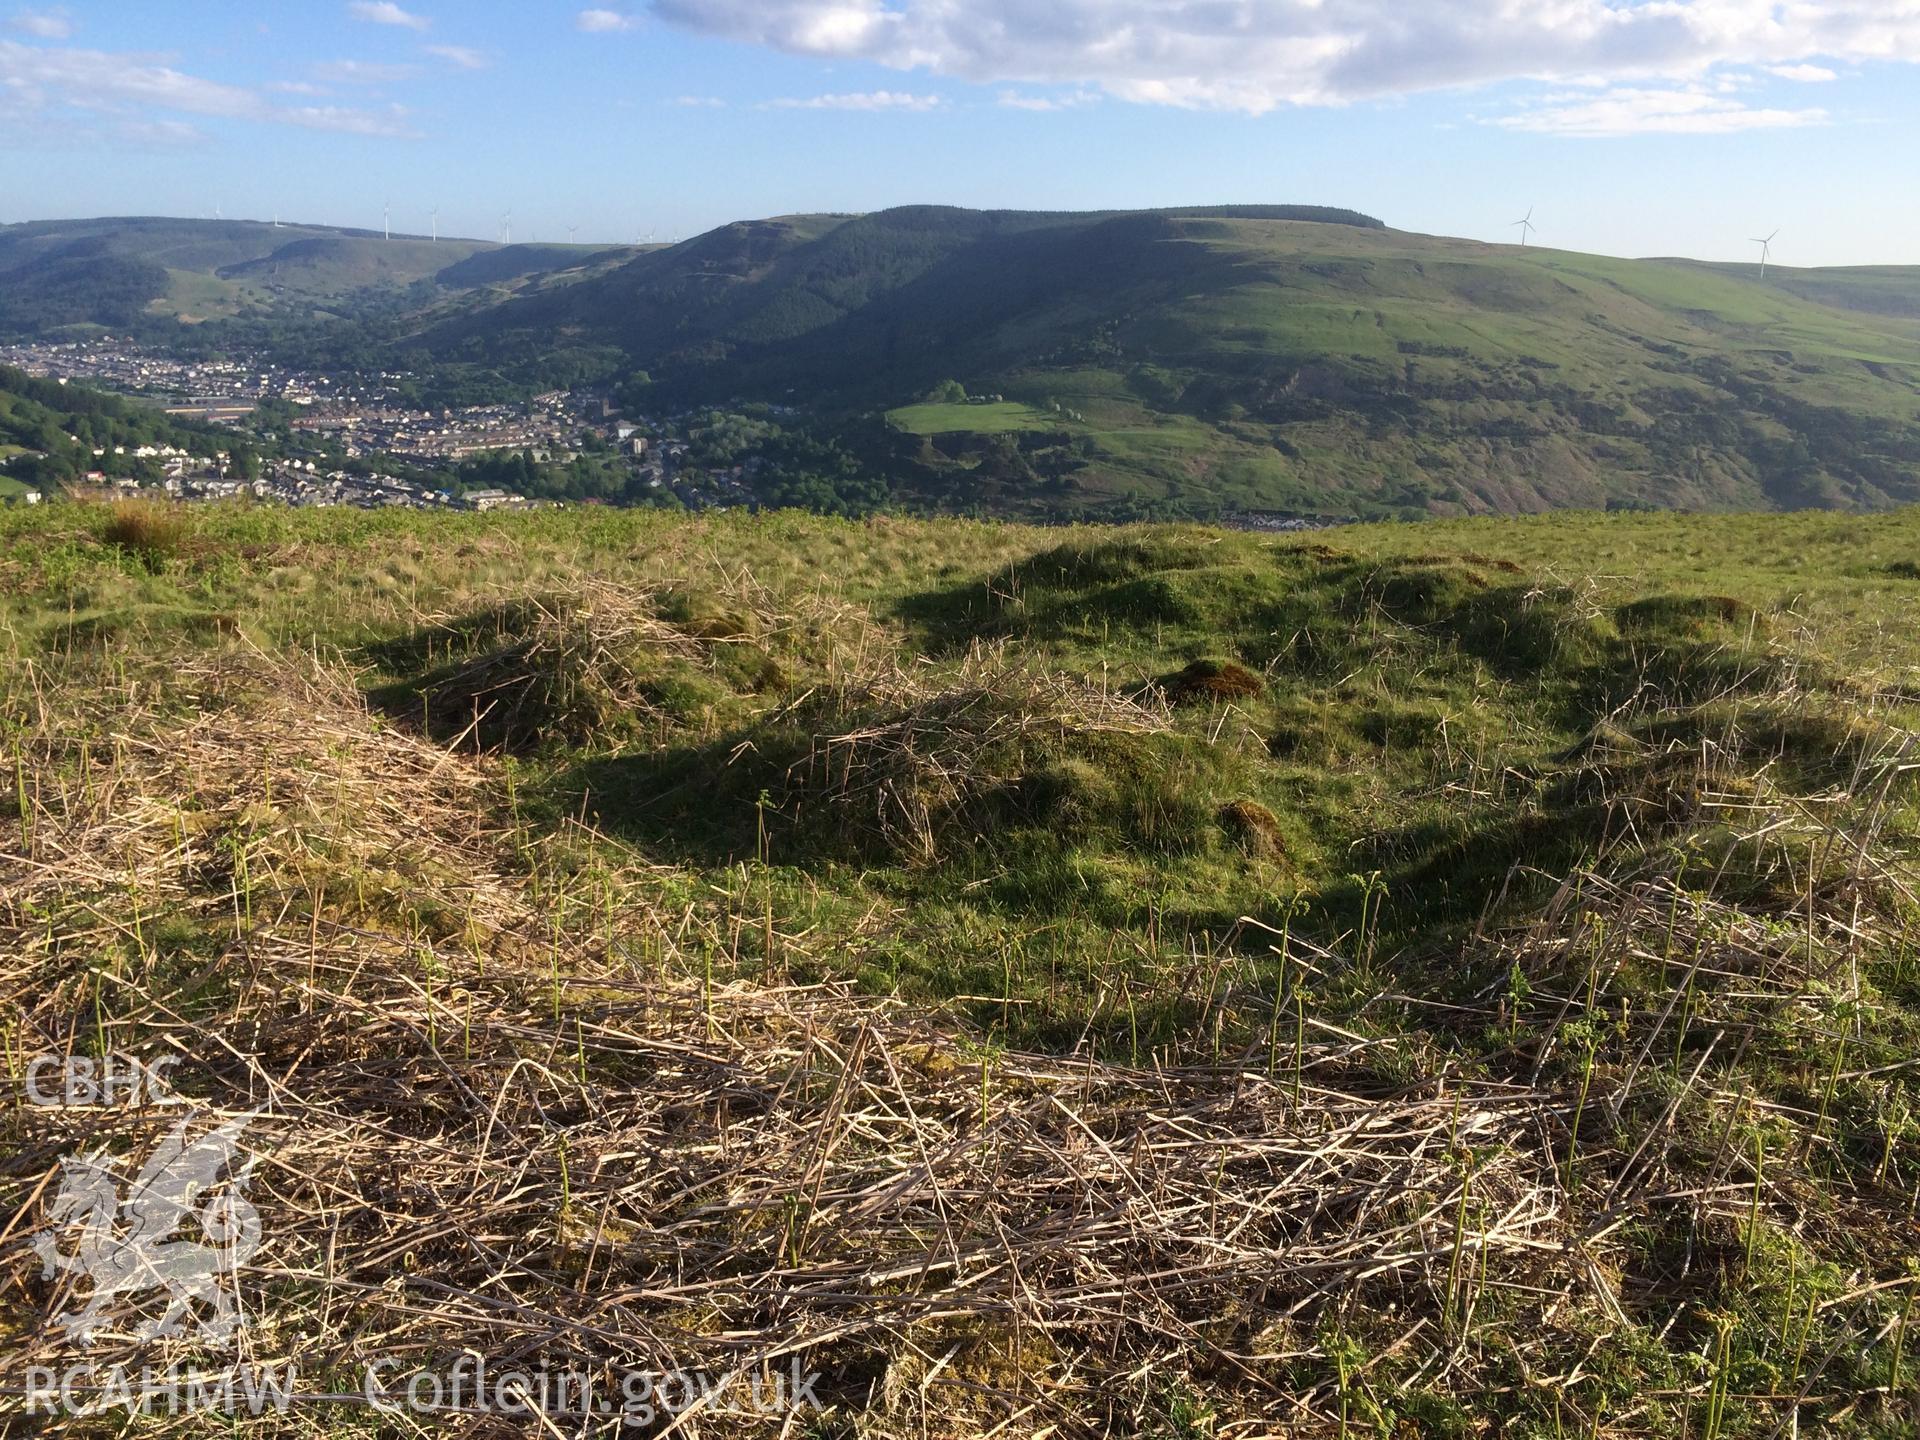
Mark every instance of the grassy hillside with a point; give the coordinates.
(995, 418)
(123, 273)
(1185, 362)
(507, 263)
(329, 265)
(1449, 979)
(1234, 361)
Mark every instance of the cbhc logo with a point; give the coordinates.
(83, 1080)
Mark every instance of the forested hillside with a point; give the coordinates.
(49, 432)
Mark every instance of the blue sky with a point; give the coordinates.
(1631, 127)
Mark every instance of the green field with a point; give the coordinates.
(1452, 978)
(196, 298)
(987, 419)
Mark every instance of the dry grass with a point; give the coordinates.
(527, 671)
(906, 755)
(492, 1110)
(150, 532)
(557, 671)
(502, 1103)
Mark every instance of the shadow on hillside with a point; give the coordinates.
(687, 805)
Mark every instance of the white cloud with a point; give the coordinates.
(460, 56)
(700, 102)
(1014, 100)
(390, 121)
(385, 12)
(1256, 57)
(361, 72)
(1804, 74)
(54, 24)
(39, 132)
(95, 79)
(159, 134)
(1629, 111)
(873, 100)
(54, 84)
(602, 22)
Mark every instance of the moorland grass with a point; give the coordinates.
(1534, 911)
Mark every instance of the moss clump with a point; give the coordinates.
(1254, 828)
(1212, 681)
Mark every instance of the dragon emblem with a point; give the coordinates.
(129, 1244)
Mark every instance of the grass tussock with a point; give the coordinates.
(553, 671)
(921, 767)
(602, 663)
(151, 532)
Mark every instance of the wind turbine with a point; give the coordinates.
(1766, 251)
(570, 232)
(436, 224)
(1525, 226)
(386, 219)
(506, 228)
